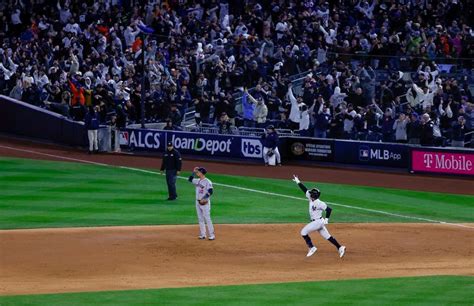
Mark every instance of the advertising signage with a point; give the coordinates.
(440, 161)
(309, 149)
(231, 146)
(372, 153)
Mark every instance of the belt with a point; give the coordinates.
(316, 219)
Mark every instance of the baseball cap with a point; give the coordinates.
(202, 170)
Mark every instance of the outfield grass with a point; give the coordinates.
(36, 194)
(437, 290)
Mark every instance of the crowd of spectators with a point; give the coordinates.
(69, 56)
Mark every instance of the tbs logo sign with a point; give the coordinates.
(251, 148)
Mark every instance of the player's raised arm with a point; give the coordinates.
(298, 182)
(191, 177)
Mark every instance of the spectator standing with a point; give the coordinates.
(260, 110)
(171, 165)
(400, 127)
(270, 141)
(175, 115)
(387, 126)
(249, 109)
(273, 105)
(169, 125)
(92, 125)
(349, 115)
(295, 111)
(414, 129)
(459, 133)
(322, 121)
(225, 127)
(426, 137)
(305, 120)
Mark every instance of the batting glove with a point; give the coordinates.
(296, 179)
(325, 221)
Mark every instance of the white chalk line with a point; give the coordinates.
(240, 188)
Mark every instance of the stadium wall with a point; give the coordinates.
(305, 150)
(23, 119)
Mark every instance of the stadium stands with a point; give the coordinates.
(378, 70)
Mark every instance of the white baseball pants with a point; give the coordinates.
(204, 217)
(93, 140)
(316, 226)
(276, 155)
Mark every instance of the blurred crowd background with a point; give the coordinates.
(371, 70)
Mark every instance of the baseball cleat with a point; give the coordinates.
(212, 237)
(201, 237)
(311, 251)
(342, 251)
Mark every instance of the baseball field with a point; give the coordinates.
(97, 230)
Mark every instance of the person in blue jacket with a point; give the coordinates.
(92, 125)
(270, 143)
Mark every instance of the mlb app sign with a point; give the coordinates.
(371, 153)
(366, 153)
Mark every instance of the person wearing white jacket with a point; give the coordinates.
(41, 79)
(9, 72)
(130, 35)
(426, 96)
(295, 112)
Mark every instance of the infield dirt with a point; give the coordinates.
(118, 258)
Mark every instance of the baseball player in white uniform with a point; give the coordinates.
(318, 223)
(203, 202)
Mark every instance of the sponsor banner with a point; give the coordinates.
(140, 139)
(123, 138)
(193, 143)
(448, 162)
(371, 153)
(216, 145)
(309, 149)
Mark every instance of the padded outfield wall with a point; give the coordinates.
(22, 119)
(19, 118)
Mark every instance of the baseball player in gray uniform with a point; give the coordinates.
(203, 201)
(318, 223)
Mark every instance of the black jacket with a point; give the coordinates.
(171, 160)
(427, 138)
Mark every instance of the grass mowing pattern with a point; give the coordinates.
(437, 290)
(36, 194)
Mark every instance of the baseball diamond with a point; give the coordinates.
(236, 152)
(89, 248)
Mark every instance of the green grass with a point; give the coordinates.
(438, 290)
(36, 194)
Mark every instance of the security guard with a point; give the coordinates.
(172, 166)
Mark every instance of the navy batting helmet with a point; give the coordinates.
(202, 170)
(315, 193)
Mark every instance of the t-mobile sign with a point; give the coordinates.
(443, 162)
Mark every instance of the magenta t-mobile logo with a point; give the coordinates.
(428, 160)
